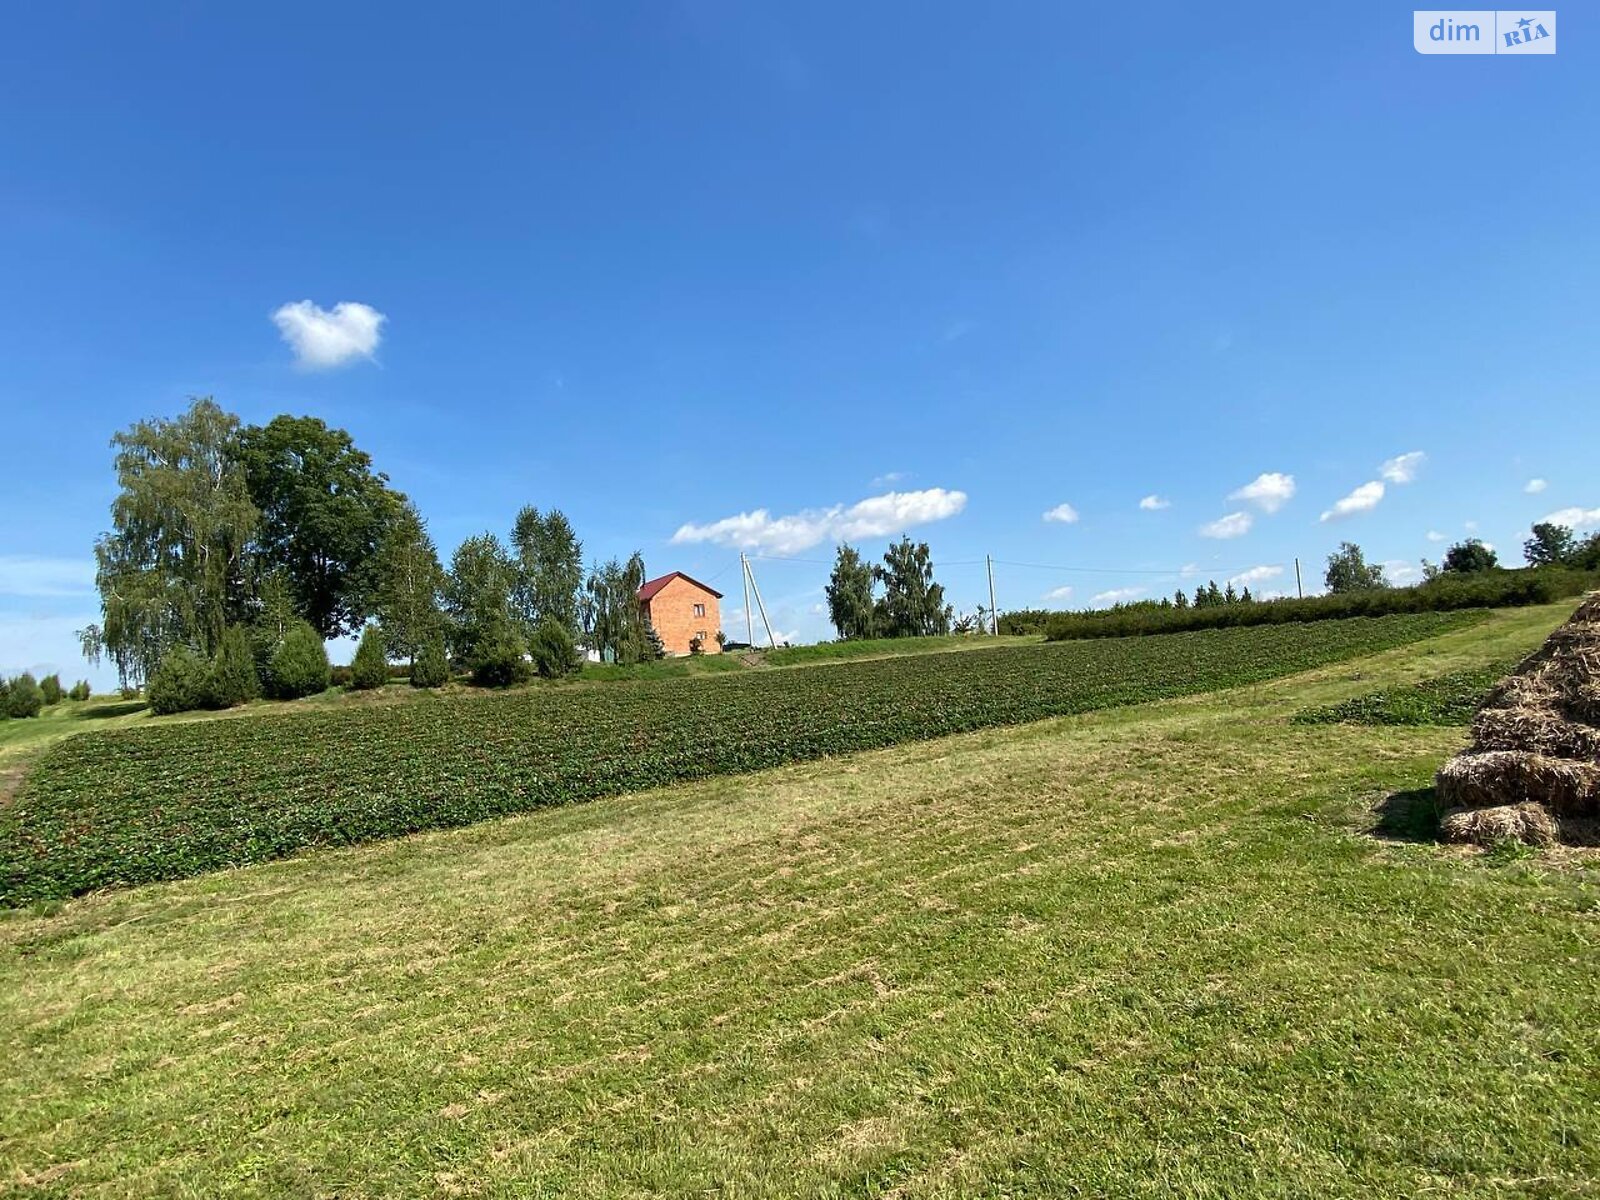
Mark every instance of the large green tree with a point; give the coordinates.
(406, 582)
(1550, 545)
(175, 568)
(912, 604)
(477, 597)
(1349, 571)
(849, 592)
(549, 561)
(323, 514)
(1469, 557)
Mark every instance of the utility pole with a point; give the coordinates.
(749, 620)
(750, 577)
(1299, 591)
(994, 617)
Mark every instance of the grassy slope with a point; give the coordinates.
(1139, 952)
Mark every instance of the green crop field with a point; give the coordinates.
(163, 802)
(1178, 949)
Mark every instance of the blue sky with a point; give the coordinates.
(664, 264)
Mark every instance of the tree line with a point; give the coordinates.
(236, 551)
(24, 696)
(910, 604)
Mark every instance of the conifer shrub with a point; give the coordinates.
(50, 687)
(432, 668)
(300, 664)
(553, 650)
(233, 672)
(370, 667)
(24, 698)
(80, 691)
(182, 682)
(500, 659)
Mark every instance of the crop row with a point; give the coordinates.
(125, 807)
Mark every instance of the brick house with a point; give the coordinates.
(682, 609)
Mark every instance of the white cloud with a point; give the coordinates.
(1231, 526)
(1118, 595)
(1060, 593)
(1575, 518)
(1435, 536)
(1269, 491)
(1364, 499)
(1256, 576)
(1189, 569)
(890, 478)
(1063, 513)
(1403, 468)
(876, 516)
(321, 338)
(1535, 486)
(1401, 572)
(1154, 503)
(21, 575)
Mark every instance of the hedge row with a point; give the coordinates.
(1450, 593)
(124, 807)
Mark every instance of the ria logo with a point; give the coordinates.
(1484, 31)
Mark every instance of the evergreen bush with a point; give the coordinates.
(432, 668)
(24, 698)
(233, 672)
(300, 664)
(181, 683)
(370, 667)
(553, 650)
(50, 687)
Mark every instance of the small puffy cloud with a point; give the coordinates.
(1118, 595)
(1155, 503)
(323, 338)
(890, 478)
(1403, 468)
(1575, 518)
(1064, 514)
(1534, 486)
(1188, 570)
(22, 575)
(876, 516)
(1269, 491)
(1231, 526)
(1255, 576)
(1364, 499)
(1435, 536)
(1060, 593)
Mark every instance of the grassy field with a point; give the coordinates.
(1145, 951)
(161, 803)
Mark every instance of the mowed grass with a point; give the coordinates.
(1147, 951)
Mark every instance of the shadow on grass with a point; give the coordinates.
(103, 712)
(1411, 816)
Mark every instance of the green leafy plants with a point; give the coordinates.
(122, 807)
(233, 671)
(1444, 700)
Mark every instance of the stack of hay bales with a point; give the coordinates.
(1533, 769)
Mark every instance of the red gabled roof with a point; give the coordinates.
(648, 591)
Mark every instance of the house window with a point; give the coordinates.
(700, 611)
(700, 634)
